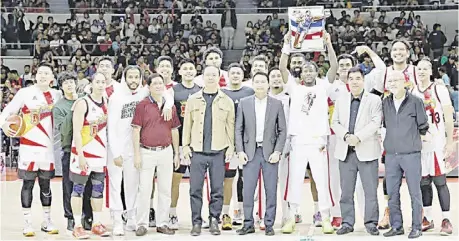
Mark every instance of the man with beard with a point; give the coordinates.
(236, 92)
(121, 167)
(213, 57)
(288, 77)
(182, 91)
(308, 131)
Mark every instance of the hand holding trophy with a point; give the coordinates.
(307, 25)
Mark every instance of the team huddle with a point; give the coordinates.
(241, 141)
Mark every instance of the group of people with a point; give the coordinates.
(240, 140)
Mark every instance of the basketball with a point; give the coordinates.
(17, 124)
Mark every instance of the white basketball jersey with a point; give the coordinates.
(434, 111)
(36, 150)
(94, 138)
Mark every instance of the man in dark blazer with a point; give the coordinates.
(260, 138)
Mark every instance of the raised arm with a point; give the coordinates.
(331, 74)
(283, 62)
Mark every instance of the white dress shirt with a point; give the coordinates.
(260, 113)
(398, 103)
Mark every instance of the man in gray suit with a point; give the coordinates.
(356, 121)
(260, 137)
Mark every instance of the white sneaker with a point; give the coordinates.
(48, 227)
(28, 230)
(238, 217)
(118, 228)
(173, 223)
(205, 224)
(131, 225)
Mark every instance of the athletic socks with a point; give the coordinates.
(240, 206)
(226, 209)
(47, 214)
(316, 207)
(77, 219)
(151, 204)
(173, 212)
(96, 217)
(27, 215)
(428, 213)
(446, 215)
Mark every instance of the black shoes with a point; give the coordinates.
(269, 231)
(213, 227)
(344, 230)
(373, 230)
(415, 234)
(196, 230)
(246, 230)
(394, 232)
(86, 223)
(70, 224)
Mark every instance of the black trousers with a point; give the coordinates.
(67, 188)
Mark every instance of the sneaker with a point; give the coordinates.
(288, 227)
(141, 231)
(298, 218)
(49, 228)
(446, 227)
(384, 223)
(173, 223)
(426, 225)
(204, 224)
(238, 217)
(100, 230)
(227, 223)
(336, 222)
(152, 222)
(118, 229)
(327, 228)
(262, 224)
(80, 233)
(317, 219)
(28, 230)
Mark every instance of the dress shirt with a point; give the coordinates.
(260, 112)
(355, 104)
(397, 103)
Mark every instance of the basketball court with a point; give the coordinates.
(12, 219)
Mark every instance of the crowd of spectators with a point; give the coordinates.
(130, 42)
(375, 30)
(364, 5)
